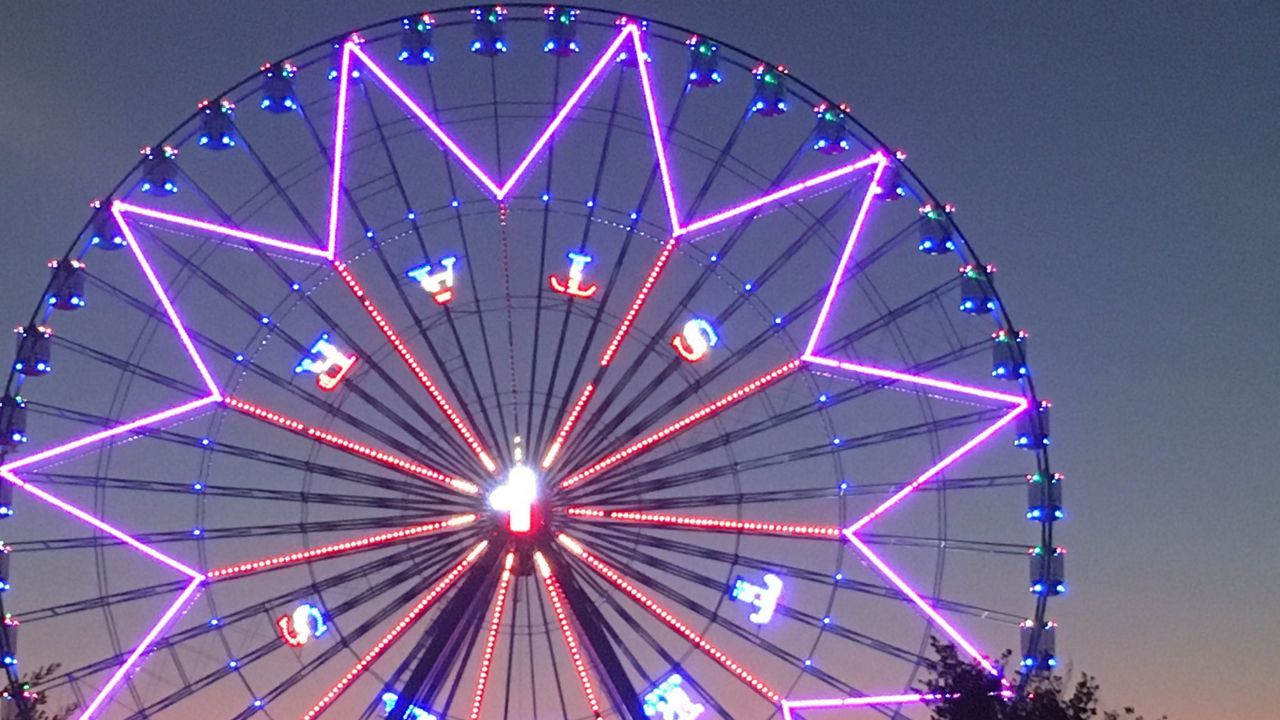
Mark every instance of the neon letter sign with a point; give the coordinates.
(305, 623)
(670, 701)
(574, 285)
(327, 362)
(440, 284)
(695, 340)
(764, 598)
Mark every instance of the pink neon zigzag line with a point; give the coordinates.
(197, 578)
(215, 396)
(629, 32)
(1019, 405)
(500, 192)
(864, 701)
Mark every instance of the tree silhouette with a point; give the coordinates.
(38, 700)
(966, 691)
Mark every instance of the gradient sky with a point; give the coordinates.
(1118, 162)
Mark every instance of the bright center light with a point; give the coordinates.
(516, 497)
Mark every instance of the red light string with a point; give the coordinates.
(423, 378)
(350, 446)
(684, 423)
(364, 543)
(675, 623)
(390, 638)
(560, 607)
(491, 640)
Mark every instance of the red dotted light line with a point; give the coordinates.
(395, 633)
(566, 629)
(708, 523)
(636, 304)
(491, 642)
(335, 548)
(554, 450)
(662, 614)
(264, 414)
(353, 447)
(701, 414)
(417, 370)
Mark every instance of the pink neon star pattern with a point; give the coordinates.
(810, 358)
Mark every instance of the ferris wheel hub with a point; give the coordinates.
(515, 501)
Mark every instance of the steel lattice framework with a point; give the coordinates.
(679, 441)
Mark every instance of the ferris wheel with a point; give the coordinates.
(520, 362)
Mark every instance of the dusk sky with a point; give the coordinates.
(1117, 162)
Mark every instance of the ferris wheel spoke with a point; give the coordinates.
(247, 660)
(607, 598)
(281, 192)
(658, 483)
(722, 156)
(250, 613)
(423, 378)
(558, 606)
(622, 546)
(606, 428)
(491, 637)
(677, 569)
(554, 667)
(695, 639)
(627, 475)
(466, 421)
(440, 587)
(223, 291)
(673, 522)
(417, 320)
(666, 433)
(709, 524)
(225, 491)
(581, 397)
(629, 319)
(817, 221)
(417, 489)
(340, 548)
(369, 357)
(130, 368)
(35, 615)
(636, 471)
(351, 447)
(464, 354)
(209, 534)
(537, 437)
